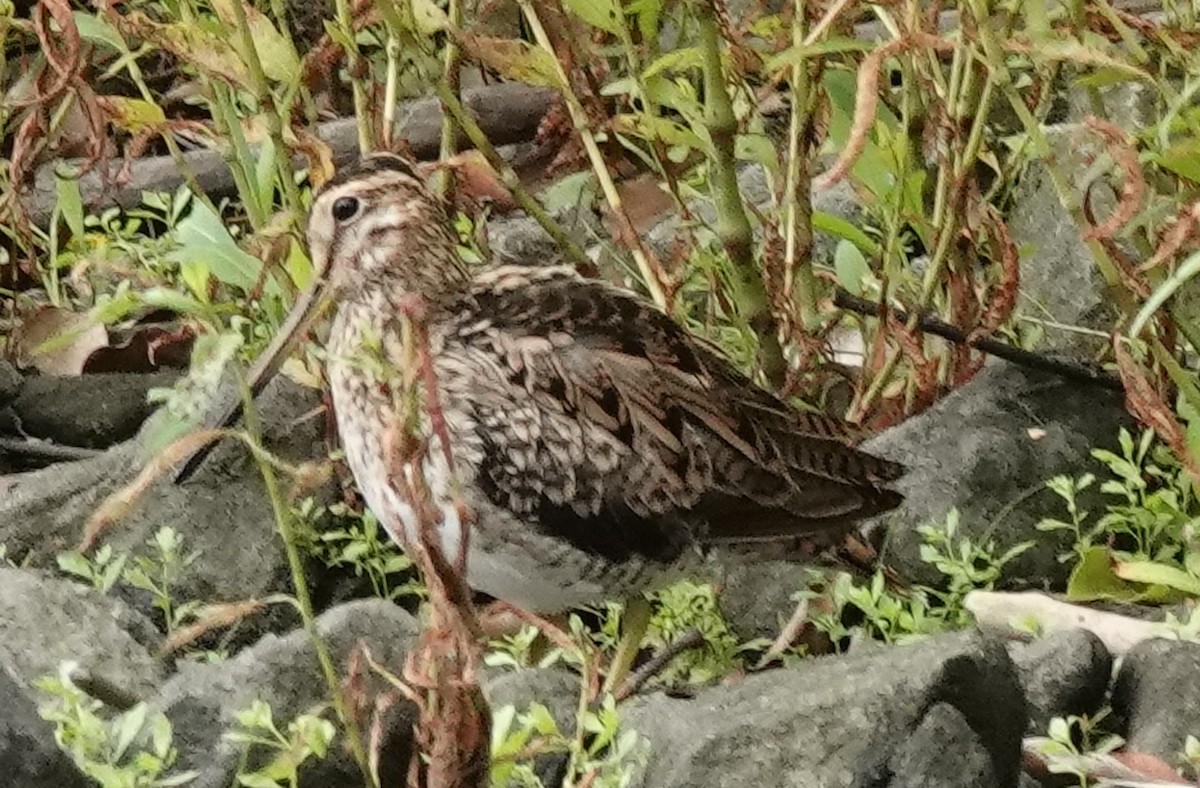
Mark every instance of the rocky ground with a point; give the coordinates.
(951, 710)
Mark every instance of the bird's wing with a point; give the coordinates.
(621, 433)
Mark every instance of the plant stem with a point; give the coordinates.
(283, 523)
(346, 22)
(650, 276)
(450, 76)
(237, 155)
(733, 224)
(797, 198)
(266, 105)
(508, 176)
(391, 89)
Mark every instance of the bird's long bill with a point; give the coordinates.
(309, 306)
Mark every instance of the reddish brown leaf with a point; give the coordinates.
(1149, 766)
(149, 349)
(867, 97)
(1004, 293)
(1133, 185)
(1148, 406)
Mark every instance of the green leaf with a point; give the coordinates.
(136, 116)
(651, 127)
(675, 60)
(75, 564)
(1156, 574)
(203, 238)
(597, 13)
(516, 59)
(264, 173)
(129, 725)
(70, 203)
(834, 225)
(829, 46)
(1093, 579)
(1182, 158)
(96, 30)
(278, 60)
(759, 149)
(428, 17)
(199, 48)
(256, 716)
(195, 274)
(851, 267)
(298, 266)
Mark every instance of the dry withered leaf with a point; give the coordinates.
(477, 183)
(645, 201)
(57, 341)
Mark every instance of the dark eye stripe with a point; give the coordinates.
(387, 161)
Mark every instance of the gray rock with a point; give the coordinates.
(1063, 674)
(845, 721)
(943, 752)
(45, 621)
(557, 690)
(1130, 105)
(92, 411)
(1157, 697)
(756, 597)
(839, 200)
(973, 451)
(222, 513)
(29, 756)
(10, 382)
(1060, 281)
(202, 699)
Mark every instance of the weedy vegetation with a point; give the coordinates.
(660, 107)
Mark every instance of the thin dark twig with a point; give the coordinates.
(1071, 370)
(634, 681)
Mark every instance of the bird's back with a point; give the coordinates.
(592, 430)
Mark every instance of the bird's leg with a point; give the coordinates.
(634, 623)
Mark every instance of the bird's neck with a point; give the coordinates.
(426, 279)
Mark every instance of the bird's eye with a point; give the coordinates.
(345, 208)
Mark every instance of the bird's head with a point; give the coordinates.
(376, 225)
(374, 230)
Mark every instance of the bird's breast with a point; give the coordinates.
(386, 433)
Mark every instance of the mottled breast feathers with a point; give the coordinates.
(608, 425)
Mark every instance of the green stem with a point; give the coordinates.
(798, 233)
(237, 154)
(508, 176)
(353, 57)
(266, 105)
(733, 224)
(450, 76)
(283, 523)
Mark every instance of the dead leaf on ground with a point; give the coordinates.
(57, 341)
(645, 201)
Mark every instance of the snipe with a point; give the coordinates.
(597, 445)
